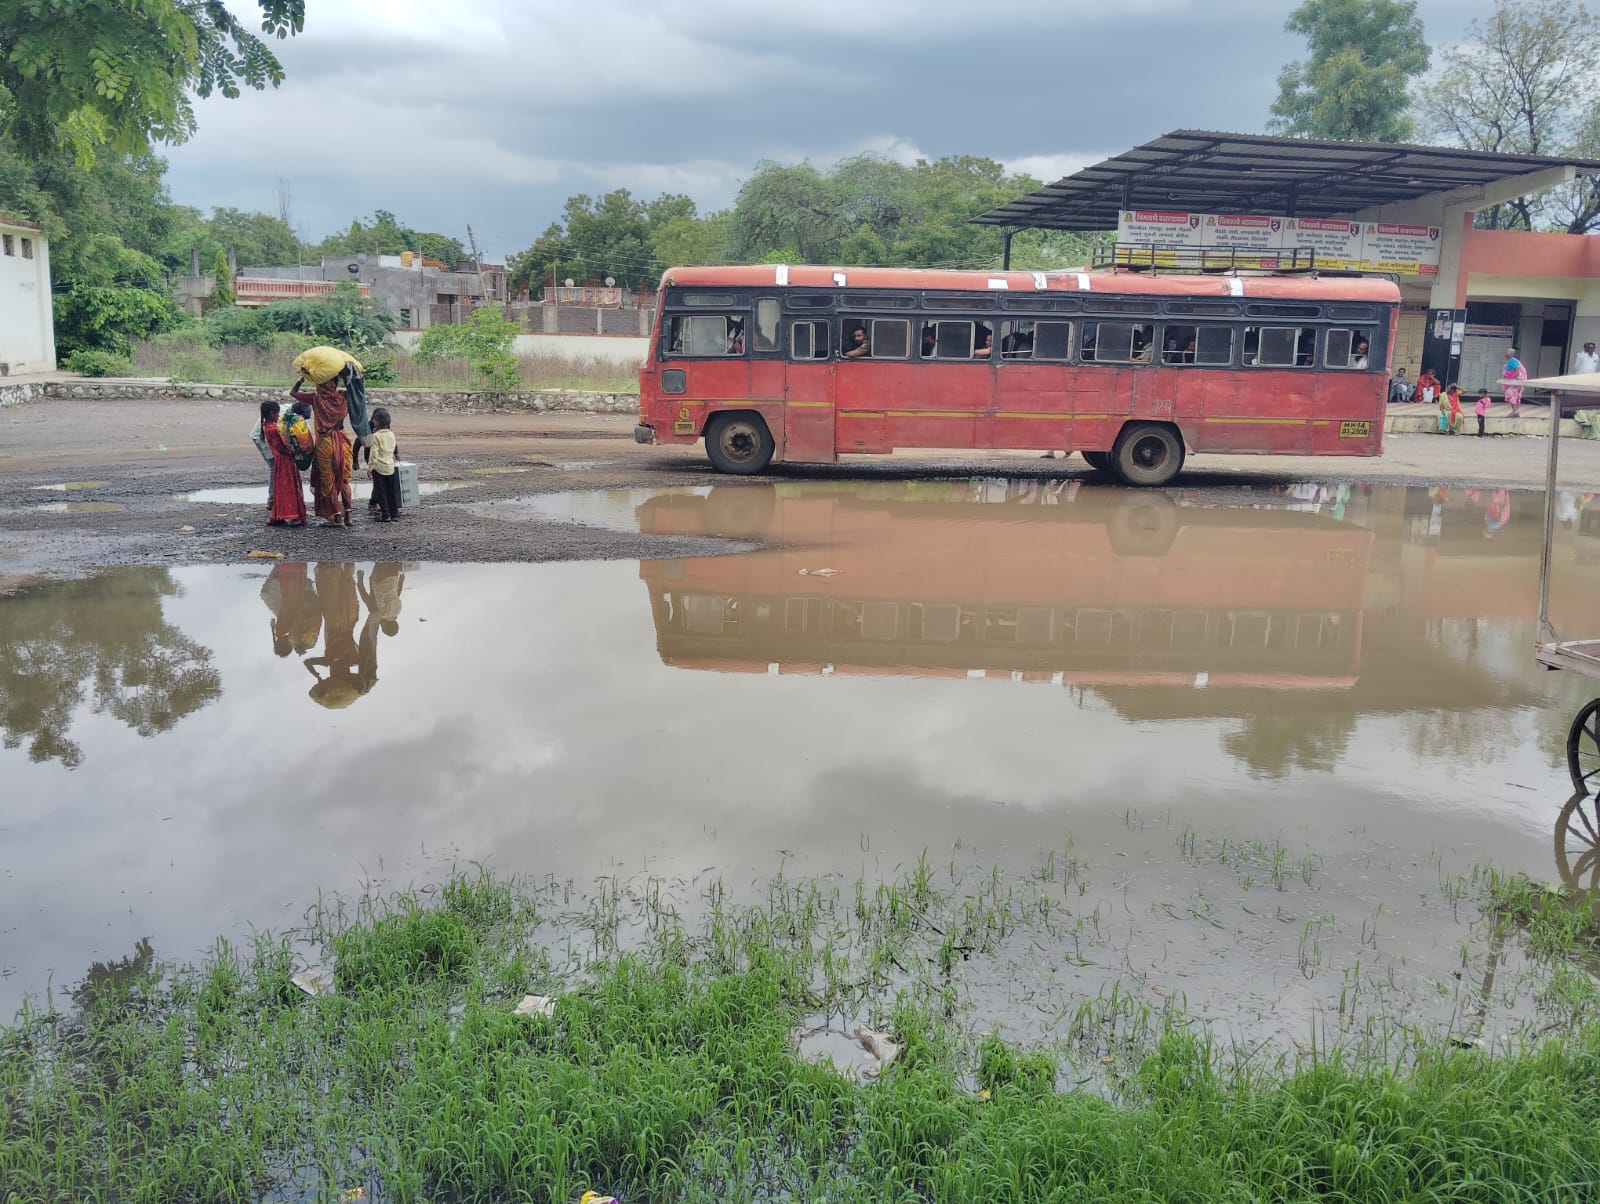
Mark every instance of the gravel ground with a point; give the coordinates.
(146, 455)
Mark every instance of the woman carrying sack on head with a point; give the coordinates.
(327, 368)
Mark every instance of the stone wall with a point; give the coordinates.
(399, 399)
(15, 395)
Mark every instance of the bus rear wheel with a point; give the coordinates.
(1098, 460)
(739, 444)
(1147, 453)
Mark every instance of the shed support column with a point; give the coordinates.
(1005, 259)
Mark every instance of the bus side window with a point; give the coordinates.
(1118, 342)
(703, 334)
(1347, 349)
(1215, 346)
(766, 328)
(890, 339)
(1178, 344)
(1052, 340)
(952, 340)
(1280, 346)
(808, 341)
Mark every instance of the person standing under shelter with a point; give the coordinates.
(1586, 360)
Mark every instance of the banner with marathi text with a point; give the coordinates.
(1255, 240)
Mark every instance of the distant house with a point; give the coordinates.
(27, 322)
(418, 292)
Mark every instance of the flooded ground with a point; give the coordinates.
(1250, 744)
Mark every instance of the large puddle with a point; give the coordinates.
(1267, 736)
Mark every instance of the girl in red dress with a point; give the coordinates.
(287, 505)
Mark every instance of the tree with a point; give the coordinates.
(528, 270)
(484, 341)
(108, 73)
(256, 238)
(1364, 53)
(1527, 81)
(385, 235)
(223, 295)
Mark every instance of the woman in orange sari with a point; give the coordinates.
(330, 470)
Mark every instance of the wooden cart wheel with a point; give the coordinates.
(1583, 749)
(1578, 843)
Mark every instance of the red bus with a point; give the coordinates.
(780, 363)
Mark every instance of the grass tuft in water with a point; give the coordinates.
(670, 1072)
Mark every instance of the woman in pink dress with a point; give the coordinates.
(1514, 374)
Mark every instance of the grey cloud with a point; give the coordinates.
(496, 114)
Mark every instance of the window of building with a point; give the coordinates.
(1347, 349)
(405, 317)
(766, 332)
(7, 244)
(808, 341)
(1280, 346)
(1118, 342)
(1211, 346)
(27, 248)
(1027, 339)
(705, 334)
(878, 338)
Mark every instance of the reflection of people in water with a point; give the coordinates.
(296, 615)
(1497, 513)
(341, 607)
(382, 595)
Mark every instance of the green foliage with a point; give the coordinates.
(108, 317)
(96, 363)
(93, 74)
(385, 235)
(223, 295)
(343, 319)
(484, 341)
(190, 351)
(257, 239)
(1526, 81)
(1355, 84)
(239, 327)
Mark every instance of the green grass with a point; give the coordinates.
(668, 1072)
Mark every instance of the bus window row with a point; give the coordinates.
(1174, 344)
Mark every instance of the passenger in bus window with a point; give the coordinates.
(735, 338)
(856, 345)
(1305, 348)
(1180, 346)
(1358, 353)
(1143, 337)
(984, 340)
(1086, 353)
(930, 340)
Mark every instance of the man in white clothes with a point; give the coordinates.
(1586, 360)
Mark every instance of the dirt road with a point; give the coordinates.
(141, 460)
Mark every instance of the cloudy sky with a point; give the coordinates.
(493, 112)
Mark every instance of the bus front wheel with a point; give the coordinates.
(1147, 453)
(1098, 460)
(739, 444)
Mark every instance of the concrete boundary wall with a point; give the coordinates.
(629, 350)
(109, 389)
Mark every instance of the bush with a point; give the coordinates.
(484, 342)
(240, 327)
(285, 345)
(344, 319)
(105, 318)
(194, 364)
(96, 363)
(194, 337)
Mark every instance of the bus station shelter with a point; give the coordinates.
(1202, 200)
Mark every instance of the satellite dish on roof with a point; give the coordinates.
(611, 281)
(352, 268)
(569, 282)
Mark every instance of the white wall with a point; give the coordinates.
(612, 348)
(27, 324)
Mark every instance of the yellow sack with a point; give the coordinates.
(322, 364)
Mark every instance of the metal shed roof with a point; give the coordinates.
(1208, 172)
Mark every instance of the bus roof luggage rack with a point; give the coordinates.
(1153, 257)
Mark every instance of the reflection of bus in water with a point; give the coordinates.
(1027, 580)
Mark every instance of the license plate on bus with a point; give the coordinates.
(1355, 430)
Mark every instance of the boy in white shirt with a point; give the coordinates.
(381, 453)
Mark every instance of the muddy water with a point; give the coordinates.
(1266, 728)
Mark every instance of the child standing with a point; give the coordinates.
(286, 504)
(1482, 408)
(381, 452)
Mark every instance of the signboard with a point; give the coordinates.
(1338, 244)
